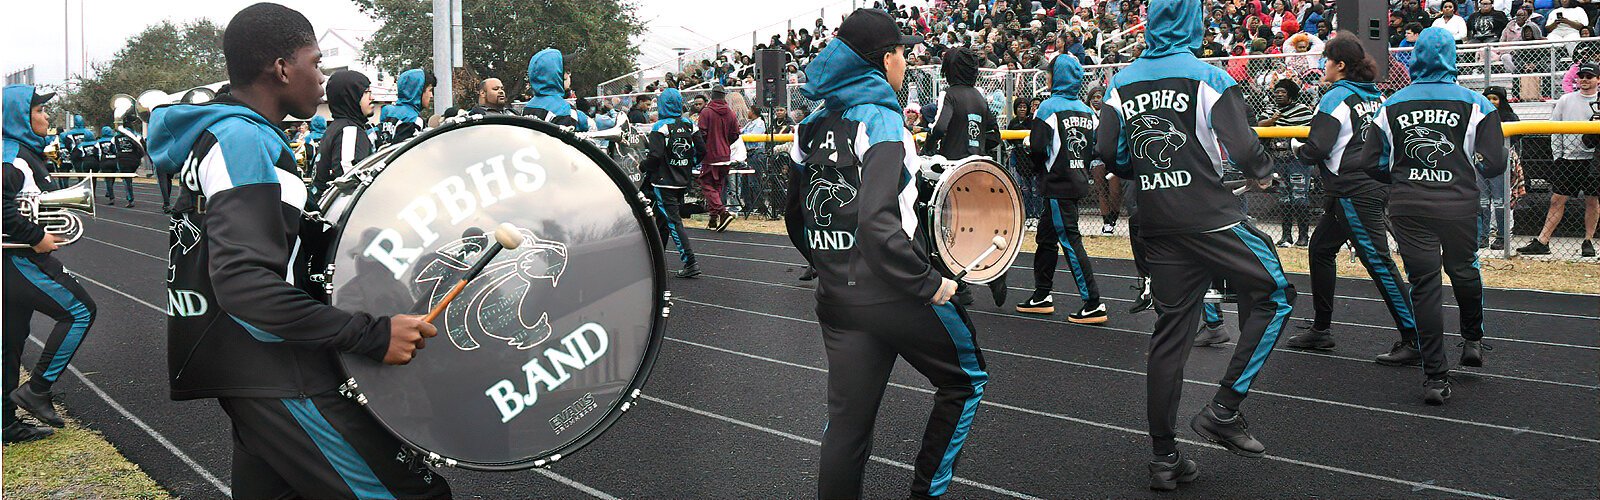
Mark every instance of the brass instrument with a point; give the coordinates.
(58, 211)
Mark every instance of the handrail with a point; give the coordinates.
(1527, 127)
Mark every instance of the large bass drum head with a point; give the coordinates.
(549, 345)
(971, 204)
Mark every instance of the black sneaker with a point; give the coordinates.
(691, 271)
(130, 204)
(1284, 243)
(1588, 248)
(1144, 301)
(1534, 248)
(1233, 433)
(722, 224)
(1312, 339)
(1303, 241)
(1211, 335)
(1472, 352)
(1089, 315)
(1165, 476)
(38, 405)
(1038, 303)
(1497, 245)
(1108, 229)
(166, 209)
(1436, 391)
(810, 274)
(22, 432)
(1402, 354)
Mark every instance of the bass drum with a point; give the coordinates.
(544, 350)
(965, 204)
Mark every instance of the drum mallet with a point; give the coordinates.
(505, 236)
(999, 244)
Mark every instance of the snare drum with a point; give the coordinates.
(964, 204)
(551, 343)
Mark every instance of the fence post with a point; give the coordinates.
(1503, 212)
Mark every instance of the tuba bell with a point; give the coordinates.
(58, 211)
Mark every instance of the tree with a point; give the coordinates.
(165, 56)
(499, 37)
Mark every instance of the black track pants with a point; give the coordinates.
(1059, 226)
(38, 283)
(668, 203)
(164, 181)
(1182, 267)
(324, 446)
(862, 343)
(1358, 220)
(1428, 245)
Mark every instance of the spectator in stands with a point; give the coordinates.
(1294, 197)
(1494, 189)
(1522, 27)
(1412, 31)
(639, 114)
(1574, 174)
(1566, 22)
(1486, 24)
(1450, 21)
(1412, 12)
(1209, 46)
(1397, 32)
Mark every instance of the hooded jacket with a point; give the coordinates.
(721, 129)
(88, 152)
(672, 149)
(23, 166)
(1062, 140)
(1170, 122)
(238, 326)
(964, 123)
(851, 211)
(1421, 136)
(1345, 111)
(69, 141)
(107, 148)
(318, 128)
(345, 143)
(546, 74)
(128, 150)
(402, 120)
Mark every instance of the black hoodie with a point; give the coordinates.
(964, 126)
(346, 142)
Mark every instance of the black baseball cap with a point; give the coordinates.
(42, 98)
(1590, 68)
(873, 31)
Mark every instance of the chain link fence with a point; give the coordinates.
(1530, 75)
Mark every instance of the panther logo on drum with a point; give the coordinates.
(1155, 139)
(496, 304)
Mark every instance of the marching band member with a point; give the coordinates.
(1434, 140)
(960, 111)
(1354, 208)
(34, 280)
(106, 148)
(69, 144)
(549, 80)
(403, 120)
(346, 142)
(89, 152)
(128, 154)
(879, 296)
(1166, 124)
(265, 349)
(1062, 141)
(671, 151)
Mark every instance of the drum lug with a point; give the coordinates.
(666, 308)
(349, 390)
(649, 206)
(547, 461)
(325, 278)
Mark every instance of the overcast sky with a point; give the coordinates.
(34, 28)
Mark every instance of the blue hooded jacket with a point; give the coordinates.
(319, 126)
(1180, 30)
(408, 98)
(1062, 154)
(1434, 58)
(546, 76)
(848, 84)
(77, 130)
(670, 109)
(1066, 80)
(17, 108)
(174, 130)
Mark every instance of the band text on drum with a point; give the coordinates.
(580, 349)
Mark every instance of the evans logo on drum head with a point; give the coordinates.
(542, 351)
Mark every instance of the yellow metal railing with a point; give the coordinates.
(1529, 127)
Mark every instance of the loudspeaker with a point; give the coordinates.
(772, 87)
(1369, 20)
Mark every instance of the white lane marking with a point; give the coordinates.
(156, 435)
(196, 466)
(1128, 430)
(1365, 299)
(813, 442)
(1138, 332)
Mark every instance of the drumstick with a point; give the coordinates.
(1248, 183)
(505, 236)
(998, 244)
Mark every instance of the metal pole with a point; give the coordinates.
(66, 40)
(442, 93)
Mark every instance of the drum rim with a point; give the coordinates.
(942, 187)
(659, 306)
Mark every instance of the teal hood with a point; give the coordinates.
(841, 79)
(545, 71)
(411, 85)
(671, 104)
(174, 129)
(17, 107)
(106, 133)
(1434, 58)
(1066, 76)
(77, 121)
(319, 126)
(1173, 27)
